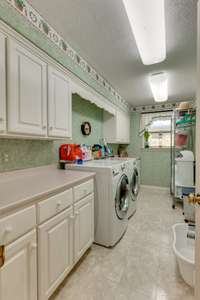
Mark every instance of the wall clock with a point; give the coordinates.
(86, 128)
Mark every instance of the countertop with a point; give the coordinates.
(20, 188)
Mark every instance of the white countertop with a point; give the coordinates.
(19, 188)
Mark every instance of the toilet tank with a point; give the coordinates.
(184, 169)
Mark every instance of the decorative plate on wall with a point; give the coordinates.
(86, 128)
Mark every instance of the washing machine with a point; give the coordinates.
(134, 179)
(132, 170)
(111, 202)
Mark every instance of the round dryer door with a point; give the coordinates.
(135, 183)
(121, 198)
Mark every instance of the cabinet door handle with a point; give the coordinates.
(44, 127)
(51, 128)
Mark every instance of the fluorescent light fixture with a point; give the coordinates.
(147, 20)
(159, 86)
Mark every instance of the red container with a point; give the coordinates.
(70, 152)
(181, 139)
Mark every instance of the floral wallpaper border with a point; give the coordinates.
(33, 17)
(158, 107)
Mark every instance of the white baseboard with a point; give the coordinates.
(162, 188)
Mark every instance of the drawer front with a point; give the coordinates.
(17, 224)
(83, 190)
(52, 206)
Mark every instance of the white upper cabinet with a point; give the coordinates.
(123, 127)
(116, 128)
(59, 104)
(2, 84)
(27, 92)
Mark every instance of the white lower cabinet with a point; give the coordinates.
(18, 276)
(55, 258)
(36, 262)
(83, 226)
(61, 242)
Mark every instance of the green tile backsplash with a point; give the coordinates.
(25, 153)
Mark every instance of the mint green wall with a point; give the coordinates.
(32, 153)
(86, 111)
(155, 163)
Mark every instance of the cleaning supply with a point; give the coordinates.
(70, 152)
(97, 151)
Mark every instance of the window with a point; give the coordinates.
(159, 128)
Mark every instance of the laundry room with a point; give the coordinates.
(99, 160)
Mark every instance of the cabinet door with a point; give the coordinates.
(116, 129)
(123, 127)
(55, 252)
(27, 92)
(84, 226)
(2, 84)
(110, 127)
(126, 134)
(60, 107)
(18, 276)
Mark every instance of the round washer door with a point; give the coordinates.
(121, 198)
(135, 183)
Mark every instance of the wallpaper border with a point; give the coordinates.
(159, 107)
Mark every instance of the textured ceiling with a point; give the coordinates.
(99, 30)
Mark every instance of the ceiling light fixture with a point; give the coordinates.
(159, 86)
(147, 20)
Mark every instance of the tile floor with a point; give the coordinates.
(141, 267)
